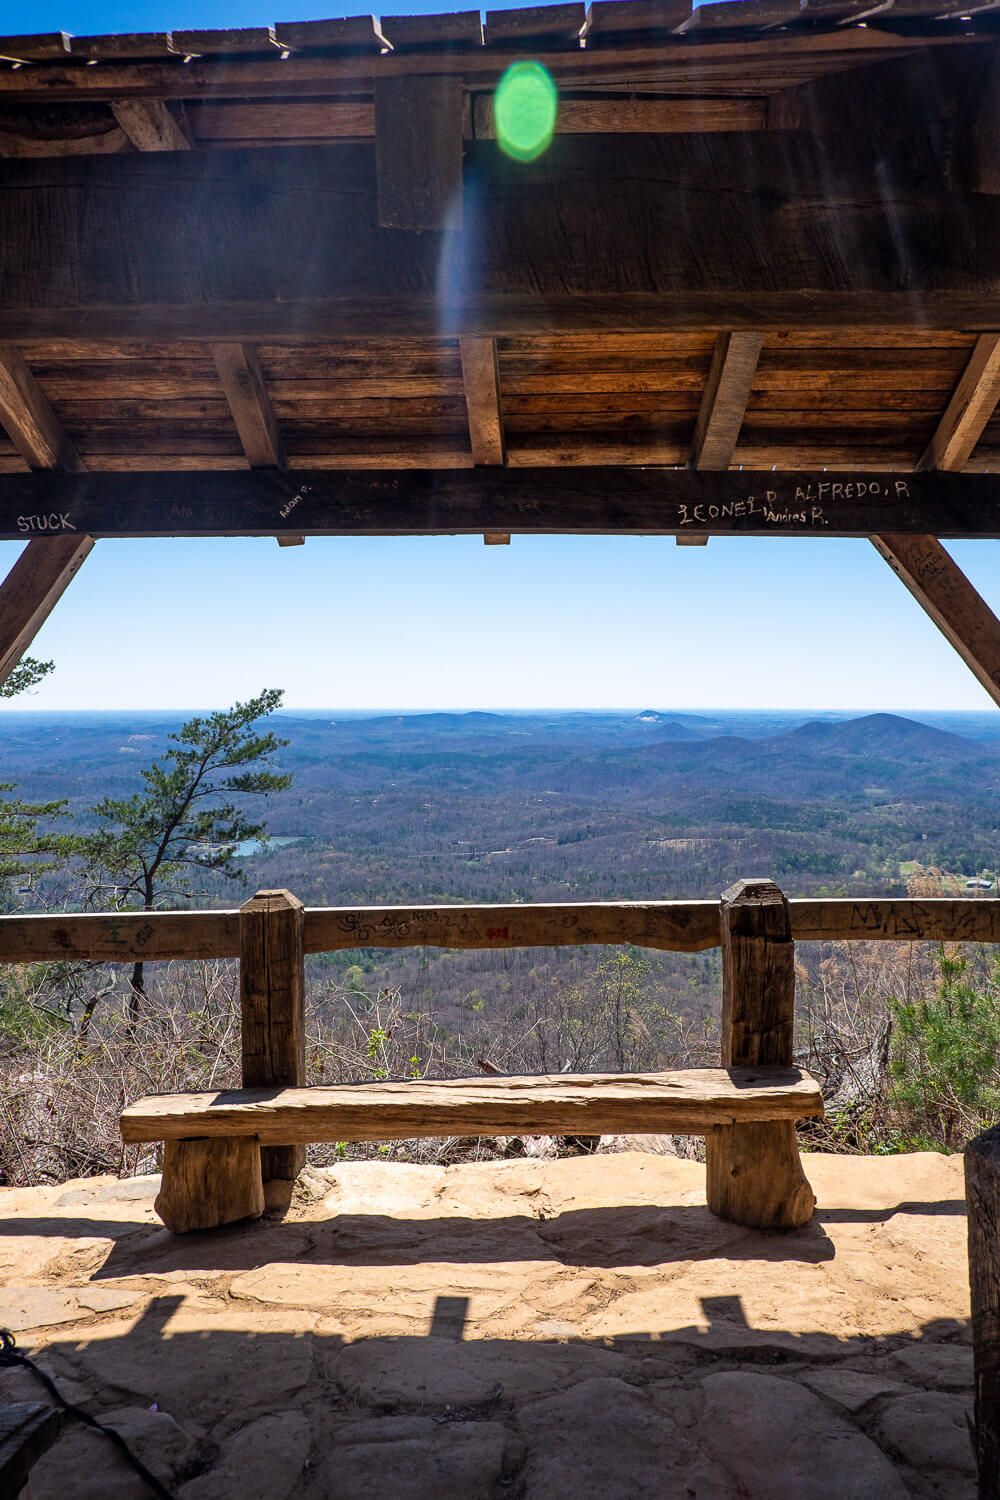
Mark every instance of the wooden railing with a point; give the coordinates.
(678, 926)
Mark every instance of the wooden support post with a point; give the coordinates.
(982, 1189)
(272, 1000)
(929, 572)
(31, 590)
(754, 1173)
(210, 1181)
(151, 125)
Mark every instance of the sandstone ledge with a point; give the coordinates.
(579, 1329)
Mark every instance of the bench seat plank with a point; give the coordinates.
(688, 1101)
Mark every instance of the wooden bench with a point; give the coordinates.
(220, 1148)
(212, 1162)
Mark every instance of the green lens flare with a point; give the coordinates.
(524, 110)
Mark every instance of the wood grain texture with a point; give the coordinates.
(481, 378)
(942, 590)
(29, 420)
(679, 926)
(532, 500)
(724, 402)
(207, 1183)
(272, 1007)
(32, 589)
(982, 1184)
(760, 245)
(418, 152)
(970, 408)
(754, 1175)
(246, 392)
(151, 125)
(688, 1101)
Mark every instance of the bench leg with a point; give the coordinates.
(210, 1181)
(755, 1176)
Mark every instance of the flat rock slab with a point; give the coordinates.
(577, 1329)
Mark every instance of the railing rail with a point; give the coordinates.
(678, 926)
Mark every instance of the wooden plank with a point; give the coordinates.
(615, 18)
(612, 114)
(692, 1100)
(680, 926)
(481, 376)
(150, 125)
(418, 152)
(684, 926)
(566, 21)
(760, 246)
(27, 1430)
(969, 409)
(115, 936)
(457, 29)
(754, 1175)
(272, 1009)
(342, 33)
(322, 119)
(942, 590)
(938, 920)
(29, 420)
(246, 391)
(540, 501)
(982, 1184)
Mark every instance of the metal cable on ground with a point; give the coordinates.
(10, 1355)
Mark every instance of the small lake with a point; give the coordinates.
(245, 847)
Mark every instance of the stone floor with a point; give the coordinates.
(579, 1329)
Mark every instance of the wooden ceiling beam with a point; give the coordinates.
(151, 125)
(723, 405)
(760, 248)
(29, 420)
(566, 500)
(481, 380)
(243, 382)
(930, 573)
(970, 408)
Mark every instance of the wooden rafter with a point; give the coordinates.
(930, 573)
(150, 125)
(587, 500)
(29, 420)
(42, 572)
(243, 382)
(723, 404)
(481, 382)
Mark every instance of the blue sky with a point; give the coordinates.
(447, 622)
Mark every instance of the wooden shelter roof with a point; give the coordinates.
(291, 267)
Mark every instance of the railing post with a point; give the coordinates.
(753, 1171)
(982, 1190)
(272, 1004)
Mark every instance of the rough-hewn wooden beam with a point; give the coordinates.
(959, 611)
(243, 382)
(31, 589)
(481, 378)
(41, 574)
(151, 125)
(691, 1100)
(208, 257)
(246, 391)
(29, 420)
(417, 502)
(932, 576)
(982, 1184)
(970, 408)
(723, 404)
